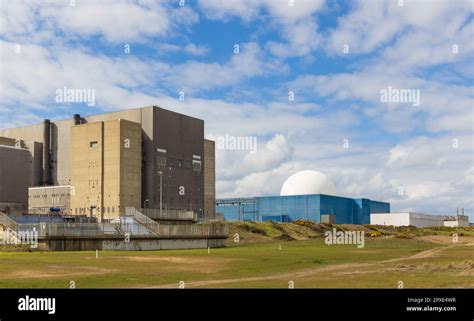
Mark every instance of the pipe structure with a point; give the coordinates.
(47, 152)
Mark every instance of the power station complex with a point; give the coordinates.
(309, 195)
(149, 170)
(306, 195)
(144, 178)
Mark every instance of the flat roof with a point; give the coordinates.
(14, 147)
(107, 113)
(54, 186)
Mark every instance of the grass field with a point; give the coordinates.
(256, 262)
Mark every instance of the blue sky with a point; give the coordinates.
(426, 151)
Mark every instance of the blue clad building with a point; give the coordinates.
(314, 207)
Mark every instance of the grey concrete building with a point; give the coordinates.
(15, 169)
(173, 156)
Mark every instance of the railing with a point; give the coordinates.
(8, 222)
(142, 227)
(73, 229)
(142, 219)
(169, 215)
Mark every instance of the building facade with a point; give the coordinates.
(15, 169)
(172, 160)
(105, 168)
(44, 198)
(418, 219)
(316, 207)
(406, 219)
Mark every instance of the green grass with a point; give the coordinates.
(303, 258)
(140, 269)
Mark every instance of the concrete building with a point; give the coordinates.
(173, 161)
(456, 220)
(15, 164)
(105, 168)
(418, 219)
(42, 199)
(406, 219)
(209, 179)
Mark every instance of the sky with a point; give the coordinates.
(313, 83)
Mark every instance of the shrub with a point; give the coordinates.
(373, 234)
(306, 223)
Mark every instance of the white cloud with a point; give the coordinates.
(194, 76)
(292, 136)
(295, 23)
(196, 50)
(116, 21)
(372, 24)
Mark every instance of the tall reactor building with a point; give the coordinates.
(146, 157)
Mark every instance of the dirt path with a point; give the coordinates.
(302, 273)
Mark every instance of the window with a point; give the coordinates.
(93, 144)
(172, 162)
(161, 160)
(196, 165)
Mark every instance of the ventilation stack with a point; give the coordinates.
(47, 152)
(77, 119)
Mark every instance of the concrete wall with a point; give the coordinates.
(15, 169)
(130, 171)
(62, 244)
(405, 219)
(41, 199)
(182, 139)
(395, 219)
(181, 136)
(209, 179)
(35, 150)
(106, 168)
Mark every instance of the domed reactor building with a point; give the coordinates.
(305, 195)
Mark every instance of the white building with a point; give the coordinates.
(407, 218)
(418, 219)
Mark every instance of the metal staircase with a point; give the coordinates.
(143, 220)
(7, 222)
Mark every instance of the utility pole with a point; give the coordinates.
(146, 210)
(161, 193)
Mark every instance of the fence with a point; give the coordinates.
(86, 230)
(170, 215)
(138, 225)
(8, 222)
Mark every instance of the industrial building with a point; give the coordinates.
(418, 219)
(145, 171)
(165, 151)
(302, 197)
(17, 172)
(46, 199)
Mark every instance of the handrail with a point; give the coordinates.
(169, 215)
(8, 222)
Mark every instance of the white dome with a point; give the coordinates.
(307, 182)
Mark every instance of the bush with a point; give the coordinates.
(306, 223)
(249, 227)
(374, 234)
